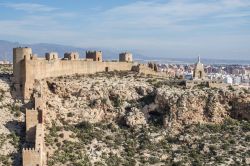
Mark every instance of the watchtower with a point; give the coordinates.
(71, 55)
(19, 55)
(125, 57)
(51, 56)
(95, 55)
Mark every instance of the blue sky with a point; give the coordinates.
(165, 28)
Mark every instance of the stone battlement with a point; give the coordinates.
(26, 150)
(31, 157)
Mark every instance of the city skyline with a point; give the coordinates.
(215, 29)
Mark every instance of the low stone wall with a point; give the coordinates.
(206, 83)
(142, 68)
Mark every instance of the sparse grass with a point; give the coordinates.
(136, 142)
(15, 110)
(2, 92)
(113, 143)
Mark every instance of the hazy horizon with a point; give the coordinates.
(218, 29)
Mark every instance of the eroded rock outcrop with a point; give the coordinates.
(97, 99)
(112, 116)
(135, 118)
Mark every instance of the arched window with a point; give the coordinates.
(200, 74)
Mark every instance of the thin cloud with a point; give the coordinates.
(163, 15)
(156, 26)
(29, 7)
(234, 15)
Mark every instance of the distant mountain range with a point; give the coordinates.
(6, 50)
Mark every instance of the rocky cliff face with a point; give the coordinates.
(129, 119)
(136, 98)
(98, 109)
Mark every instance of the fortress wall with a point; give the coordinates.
(39, 137)
(41, 68)
(39, 103)
(35, 134)
(31, 122)
(35, 156)
(39, 143)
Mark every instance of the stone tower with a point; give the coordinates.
(95, 55)
(71, 55)
(125, 57)
(19, 54)
(51, 56)
(199, 72)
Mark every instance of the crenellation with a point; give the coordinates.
(29, 149)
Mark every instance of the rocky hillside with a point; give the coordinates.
(129, 119)
(11, 123)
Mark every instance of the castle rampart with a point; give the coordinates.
(28, 68)
(35, 134)
(39, 69)
(31, 123)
